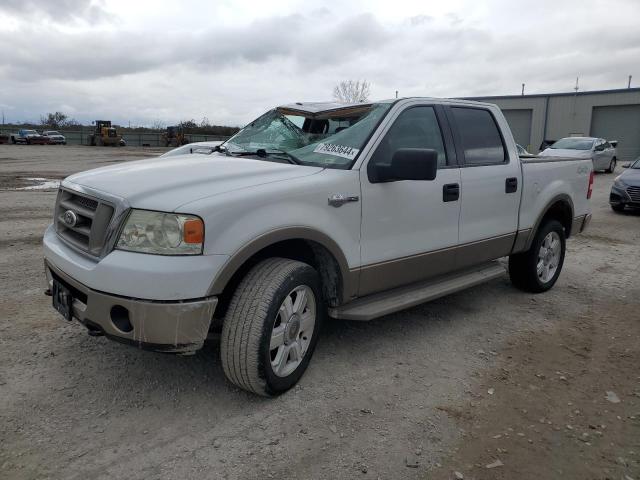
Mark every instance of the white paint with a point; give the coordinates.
(242, 199)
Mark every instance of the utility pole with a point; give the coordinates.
(629, 83)
(575, 101)
(522, 90)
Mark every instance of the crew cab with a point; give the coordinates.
(28, 137)
(312, 210)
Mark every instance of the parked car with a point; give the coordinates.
(4, 138)
(203, 148)
(55, 137)
(353, 211)
(625, 191)
(28, 137)
(600, 151)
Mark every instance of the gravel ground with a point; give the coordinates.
(486, 383)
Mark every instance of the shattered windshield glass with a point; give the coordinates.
(335, 144)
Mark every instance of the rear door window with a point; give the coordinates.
(479, 136)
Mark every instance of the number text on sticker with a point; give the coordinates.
(337, 150)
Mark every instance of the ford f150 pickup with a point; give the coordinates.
(312, 210)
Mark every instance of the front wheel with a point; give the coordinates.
(271, 326)
(538, 269)
(619, 207)
(612, 166)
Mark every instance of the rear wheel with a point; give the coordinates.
(538, 269)
(271, 326)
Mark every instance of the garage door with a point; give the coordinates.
(622, 123)
(520, 123)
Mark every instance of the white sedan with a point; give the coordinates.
(599, 150)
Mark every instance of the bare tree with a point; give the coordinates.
(158, 125)
(188, 124)
(351, 91)
(54, 120)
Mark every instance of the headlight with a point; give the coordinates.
(162, 233)
(619, 183)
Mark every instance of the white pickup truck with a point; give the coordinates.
(352, 211)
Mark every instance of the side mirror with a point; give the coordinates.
(407, 164)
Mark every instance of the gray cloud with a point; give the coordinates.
(230, 71)
(92, 12)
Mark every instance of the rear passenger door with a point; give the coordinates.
(491, 183)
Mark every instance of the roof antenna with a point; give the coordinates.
(576, 88)
(628, 84)
(522, 90)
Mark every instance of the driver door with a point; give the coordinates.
(410, 227)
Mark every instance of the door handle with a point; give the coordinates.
(450, 192)
(511, 185)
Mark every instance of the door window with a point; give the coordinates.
(479, 136)
(416, 127)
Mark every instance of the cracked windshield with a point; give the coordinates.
(330, 139)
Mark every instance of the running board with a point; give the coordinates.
(379, 304)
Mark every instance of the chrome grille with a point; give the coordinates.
(92, 215)
(634, 193)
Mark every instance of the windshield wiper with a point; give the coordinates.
(262, 153)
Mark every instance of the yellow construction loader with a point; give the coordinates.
(105, 135)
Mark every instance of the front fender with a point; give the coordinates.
(240, 223)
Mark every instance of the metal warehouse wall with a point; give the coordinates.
(565, 114)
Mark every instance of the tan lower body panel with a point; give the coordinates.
(395, 273)
(377, 305)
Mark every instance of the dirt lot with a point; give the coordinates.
(487, 383)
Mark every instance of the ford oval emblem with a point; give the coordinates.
(70, 218)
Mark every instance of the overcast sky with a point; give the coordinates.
(229, 61)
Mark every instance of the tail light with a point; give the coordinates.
(590, 189)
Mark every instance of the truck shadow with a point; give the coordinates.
(341, 344)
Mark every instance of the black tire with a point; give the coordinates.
(523, 266)
(618, 208)
(612, 165)
(250, 319)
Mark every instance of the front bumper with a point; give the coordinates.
(620, 196)
(168, 326)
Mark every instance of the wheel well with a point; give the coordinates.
(562, 212)
(306, 251)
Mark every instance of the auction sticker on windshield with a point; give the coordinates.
(337, 150)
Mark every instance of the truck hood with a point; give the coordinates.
(565, 152)
(166, 183)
